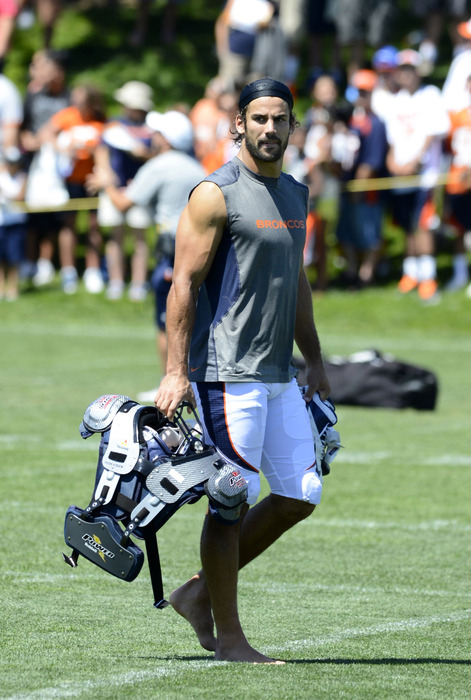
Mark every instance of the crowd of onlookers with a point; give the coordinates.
(390, 147)
(378, 140)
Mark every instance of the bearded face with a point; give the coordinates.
(266, 128)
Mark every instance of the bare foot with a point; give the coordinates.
(243, 652)
(191, 601)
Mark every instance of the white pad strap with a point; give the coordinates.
(109, 481)
(152, 504)
(123, 448)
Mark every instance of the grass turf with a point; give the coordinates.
(369, 598)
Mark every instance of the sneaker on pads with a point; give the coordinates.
(407, 284)
(44, 273)
(147, 396)
(93, 280)
(69, 279)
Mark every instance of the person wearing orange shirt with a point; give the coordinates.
(75, 132)
(458, 190)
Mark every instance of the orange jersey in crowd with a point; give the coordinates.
(84, 136)
(460, 147)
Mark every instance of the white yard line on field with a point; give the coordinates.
(426, 526)
(176, 667)
(87, 687)
(282, 588)
(373, 630)
(392, 343)
(346, 457)
(77, 331)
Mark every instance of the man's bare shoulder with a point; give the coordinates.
(207, 203)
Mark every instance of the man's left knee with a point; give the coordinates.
(291, 510)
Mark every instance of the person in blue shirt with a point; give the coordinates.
(362, 156)
(126, 145)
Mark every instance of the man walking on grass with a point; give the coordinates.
(238, 301)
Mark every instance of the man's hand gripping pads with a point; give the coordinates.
(322, 417)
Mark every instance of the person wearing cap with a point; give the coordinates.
(384, 63)
(161, 185)
(359, 226)
(125, 146)
(416, 126)
(454, 95)
(239, 299)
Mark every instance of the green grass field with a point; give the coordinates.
(369, 598)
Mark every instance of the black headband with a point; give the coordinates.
(265, 87)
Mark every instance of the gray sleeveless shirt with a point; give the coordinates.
(245, 318)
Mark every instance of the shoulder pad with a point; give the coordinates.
(100, 413)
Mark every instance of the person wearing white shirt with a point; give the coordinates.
(11, 113)
(415, 127)
(453, 94)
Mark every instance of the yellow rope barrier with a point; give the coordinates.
(82, 204)
(392, 183)
(366, 185)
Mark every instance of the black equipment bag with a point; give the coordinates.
(374, 379)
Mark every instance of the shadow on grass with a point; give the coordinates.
(392, 661)
(382, 662)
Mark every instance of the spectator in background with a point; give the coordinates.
(163, 183)
(454, 96)
(237, 30)
(47, 94)
(12, 222)
(168, 23)
(319, 124)
(435, 14)
(48, 14)
(293, 21)
(209, 120)
(223, 147)
(76, 132)
(309, 172)
(359, 228)
(384, 63)
(9, 10)
(125, 146)
(361, 24)
(269, 56)
(415, 128)
(324, 95)
(458, 190)
(11, 114)
(320, 25)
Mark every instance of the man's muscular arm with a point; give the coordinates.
(198, 236)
